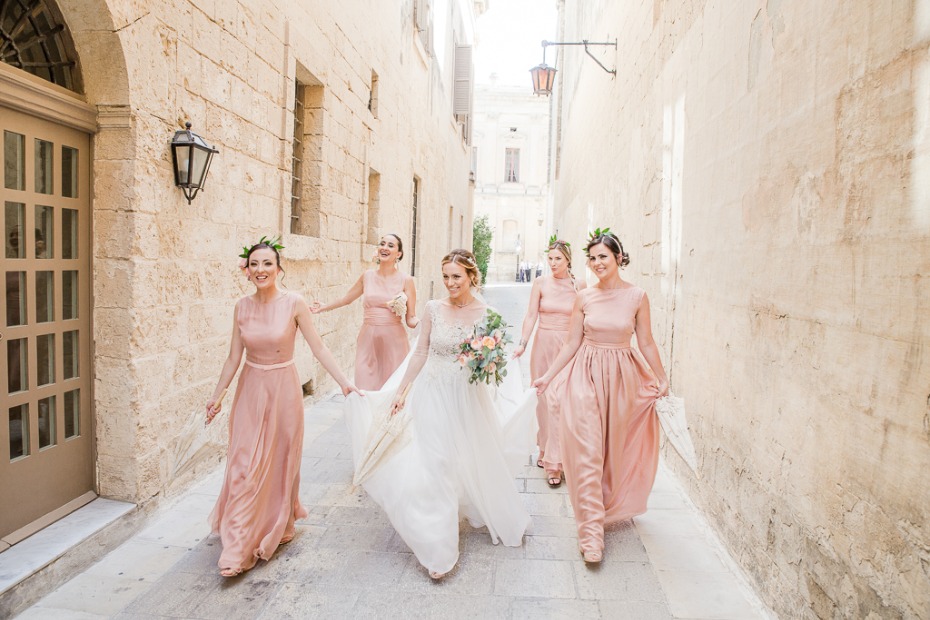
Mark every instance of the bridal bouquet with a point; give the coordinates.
(483, 351)
(398, 304)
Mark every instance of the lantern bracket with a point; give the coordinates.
(585, 43)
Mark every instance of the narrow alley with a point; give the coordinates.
(347, 562)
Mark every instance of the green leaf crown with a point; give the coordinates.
(597, 233)
(274, 243)
(553, 240)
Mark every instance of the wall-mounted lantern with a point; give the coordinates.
(191, 157)
(544, 75)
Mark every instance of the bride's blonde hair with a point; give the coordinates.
(467, 260)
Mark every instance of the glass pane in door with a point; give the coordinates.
(45, 227)
(72, 413)
(17, 365)
(45, 359)
(19, 431)
(69, 344)
(46, 426)
(15, 298)
(45, 296)
(45, 156)
(69, 293)
(69, 233)
(14, 225)
(14, 160)
(69, 172)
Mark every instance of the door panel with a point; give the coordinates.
(46, 431)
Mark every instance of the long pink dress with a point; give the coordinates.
(382, 342)
(610, 432)
(258, 503)
(557, 297)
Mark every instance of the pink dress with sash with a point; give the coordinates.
(557, 297)
(610, 432)
(382, 342)
(258, 503)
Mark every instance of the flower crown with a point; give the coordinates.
(553, 240)
(598, 233)
(274, 244)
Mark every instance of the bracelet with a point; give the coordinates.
(523, 343)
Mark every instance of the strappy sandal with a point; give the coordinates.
(231, 572)
(539, 461)
(287, 539)
(554, 479)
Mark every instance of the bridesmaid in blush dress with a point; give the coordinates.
(551, 302)
(258, 503)
(382, 342)
(610, 432)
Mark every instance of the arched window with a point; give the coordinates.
(34, 38)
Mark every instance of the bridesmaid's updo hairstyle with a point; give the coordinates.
(467, 260)
(564, 248)
(612, 243)
(400, 245)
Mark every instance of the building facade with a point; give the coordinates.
(511, 177)
(335, 122)
(766, 166)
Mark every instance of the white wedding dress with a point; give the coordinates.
(465, 444)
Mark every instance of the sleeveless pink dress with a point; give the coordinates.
(557, 297)
(382, 342)
(258, 503)
(610, 432)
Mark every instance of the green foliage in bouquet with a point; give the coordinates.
(483, 352)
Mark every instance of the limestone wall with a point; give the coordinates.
(766, 164)
(165, 277)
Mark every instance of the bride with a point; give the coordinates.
(466, 440)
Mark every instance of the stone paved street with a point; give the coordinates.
(347, 562)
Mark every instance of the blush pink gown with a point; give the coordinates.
(382, 342)
(610, 432)
(557, 297)
(258, 503)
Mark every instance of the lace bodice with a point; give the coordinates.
(444, 340)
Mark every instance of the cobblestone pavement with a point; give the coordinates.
(347, 562)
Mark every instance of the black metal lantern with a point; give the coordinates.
(191, 157)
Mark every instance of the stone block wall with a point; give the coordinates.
(766, 165)
(165, 274)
